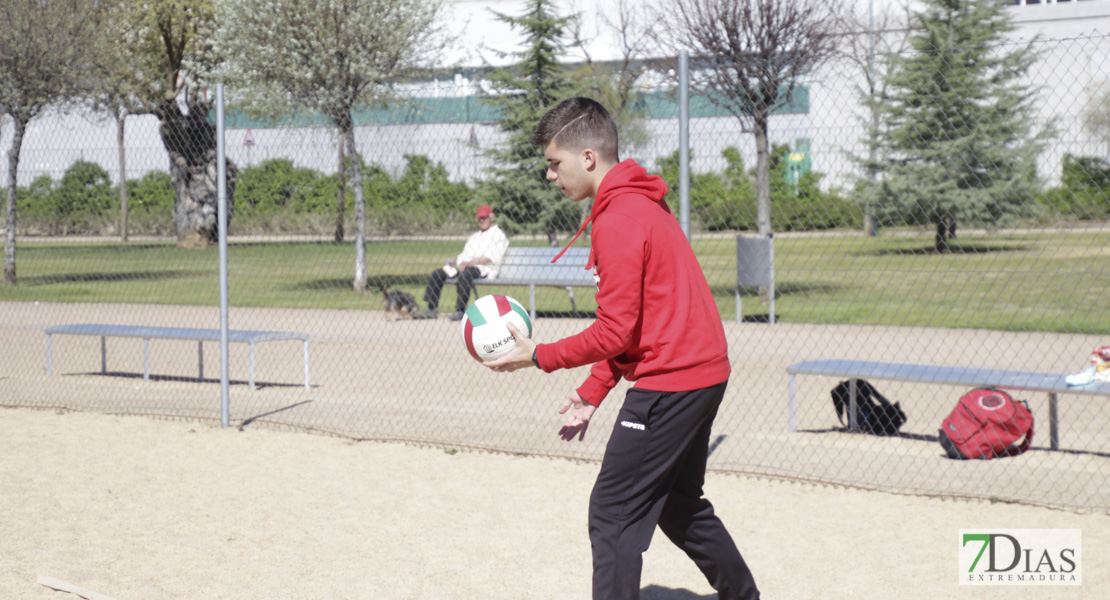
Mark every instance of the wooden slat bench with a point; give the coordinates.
(1052, 384)
(531, 266)
(172, 333)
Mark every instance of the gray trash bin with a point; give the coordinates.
(755, 265)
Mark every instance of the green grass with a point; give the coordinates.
(1050, 281)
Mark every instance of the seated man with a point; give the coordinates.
(480, 259)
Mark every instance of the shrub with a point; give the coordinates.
(1084, 190)
(728, 201)
(79, 202)
(277, 185)
(85, 189)
(33, 205)
(152, 192)
(422, 198)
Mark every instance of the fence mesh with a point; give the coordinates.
(858, 275)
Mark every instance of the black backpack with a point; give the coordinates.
(874, 413)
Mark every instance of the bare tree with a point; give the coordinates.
(869, 36)
(869, 40)
(330, 55)
(1096, 117)
(43, 62)
(118, 84)
(748, 57)
(616, 83)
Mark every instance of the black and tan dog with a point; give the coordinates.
(400, 304)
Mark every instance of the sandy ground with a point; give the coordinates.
(139, 508)
(373, 378)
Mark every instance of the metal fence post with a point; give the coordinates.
(221, 208)
(684, 142)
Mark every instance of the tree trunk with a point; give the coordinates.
(341, 191)
(870, 220)
(13, 185)
(763, 189)
(763, 177)
(348, 130)
(120, 118)
(946, 230)
(191, 142)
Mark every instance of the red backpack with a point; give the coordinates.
(987, 423)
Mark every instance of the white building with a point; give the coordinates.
(446, 126)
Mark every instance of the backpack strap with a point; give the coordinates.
(1028, 441)
(882, 399)
(841, 401)
(1025, 443)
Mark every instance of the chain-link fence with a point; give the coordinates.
(1008, 275)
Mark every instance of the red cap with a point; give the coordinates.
(484, 211)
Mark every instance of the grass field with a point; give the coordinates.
(1041, 281)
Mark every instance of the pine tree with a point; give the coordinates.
(522, 93)
(956, 139)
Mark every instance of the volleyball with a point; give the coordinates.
(484, 326)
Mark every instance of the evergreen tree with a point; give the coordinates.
(956, 140)
(522, 93)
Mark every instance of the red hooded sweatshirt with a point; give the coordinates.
(657, 323)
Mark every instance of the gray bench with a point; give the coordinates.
(531, 266)
(172, 333)
(1052, 384)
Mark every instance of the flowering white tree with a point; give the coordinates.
(331, 56)
(43, 62)
(157, 63)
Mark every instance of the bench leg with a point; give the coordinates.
(200, 361)
(103, 356)
(532, 302)
(852, 424)
(307, 384)
(771, 303)
(739, 306)
(146, 359)
(573, 307)
(250, 362)
(1053, 423)
(791, 407)
(49, 357)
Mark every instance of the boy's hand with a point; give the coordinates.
(519, 357)
(578, 419)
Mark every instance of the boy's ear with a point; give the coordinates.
(589, 159)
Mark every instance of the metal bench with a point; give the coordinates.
(172, 333)
(1051, 383)
(531, 266)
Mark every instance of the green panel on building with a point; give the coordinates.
(471, 109)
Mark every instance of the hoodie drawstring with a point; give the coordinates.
(590, 262)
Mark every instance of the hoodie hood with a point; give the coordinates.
(627, 177)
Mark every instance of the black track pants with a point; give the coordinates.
(652, 473)
(465, 284)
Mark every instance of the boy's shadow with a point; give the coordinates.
(655, 592)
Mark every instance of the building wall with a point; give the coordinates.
(1075, 59)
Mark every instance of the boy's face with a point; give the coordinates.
(570, 171)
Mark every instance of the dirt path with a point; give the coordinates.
(141, 509)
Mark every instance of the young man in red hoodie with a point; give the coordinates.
(657, 324)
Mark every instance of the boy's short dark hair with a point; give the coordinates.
(576, 124)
